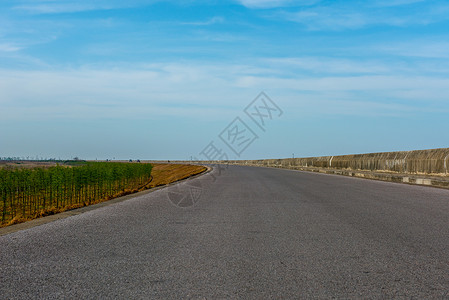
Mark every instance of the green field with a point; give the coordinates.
(29, 193)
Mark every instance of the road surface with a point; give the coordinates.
(246, 233)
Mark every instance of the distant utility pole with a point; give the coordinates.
(293, 155)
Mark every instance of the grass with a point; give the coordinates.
(167, 173)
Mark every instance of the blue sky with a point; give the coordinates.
(162, 79)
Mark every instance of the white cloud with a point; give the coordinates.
(86, 92)
(424, 48)
(6, 47)
(57, 8)
(326, 65)
(340, 17)
(328, 18)
(274, 3)
(350, 83)
(189, 90)
(430, 62)
(211, 21)
(387, 3)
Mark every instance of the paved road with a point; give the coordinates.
(253, 233)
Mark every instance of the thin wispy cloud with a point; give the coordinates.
(211, 21)
(264, 4)
(387, 3)
(342, 17)
(104, 92)
(6, 47)
(58, 8)
(326, 65)
(423, 48)
(328, 19)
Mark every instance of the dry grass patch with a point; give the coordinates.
(167, 173)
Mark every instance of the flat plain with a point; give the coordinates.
(252, 233)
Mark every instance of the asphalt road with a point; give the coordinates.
(252, 233)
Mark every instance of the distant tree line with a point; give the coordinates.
(28, 158)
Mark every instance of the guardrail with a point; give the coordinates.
(430, 162)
